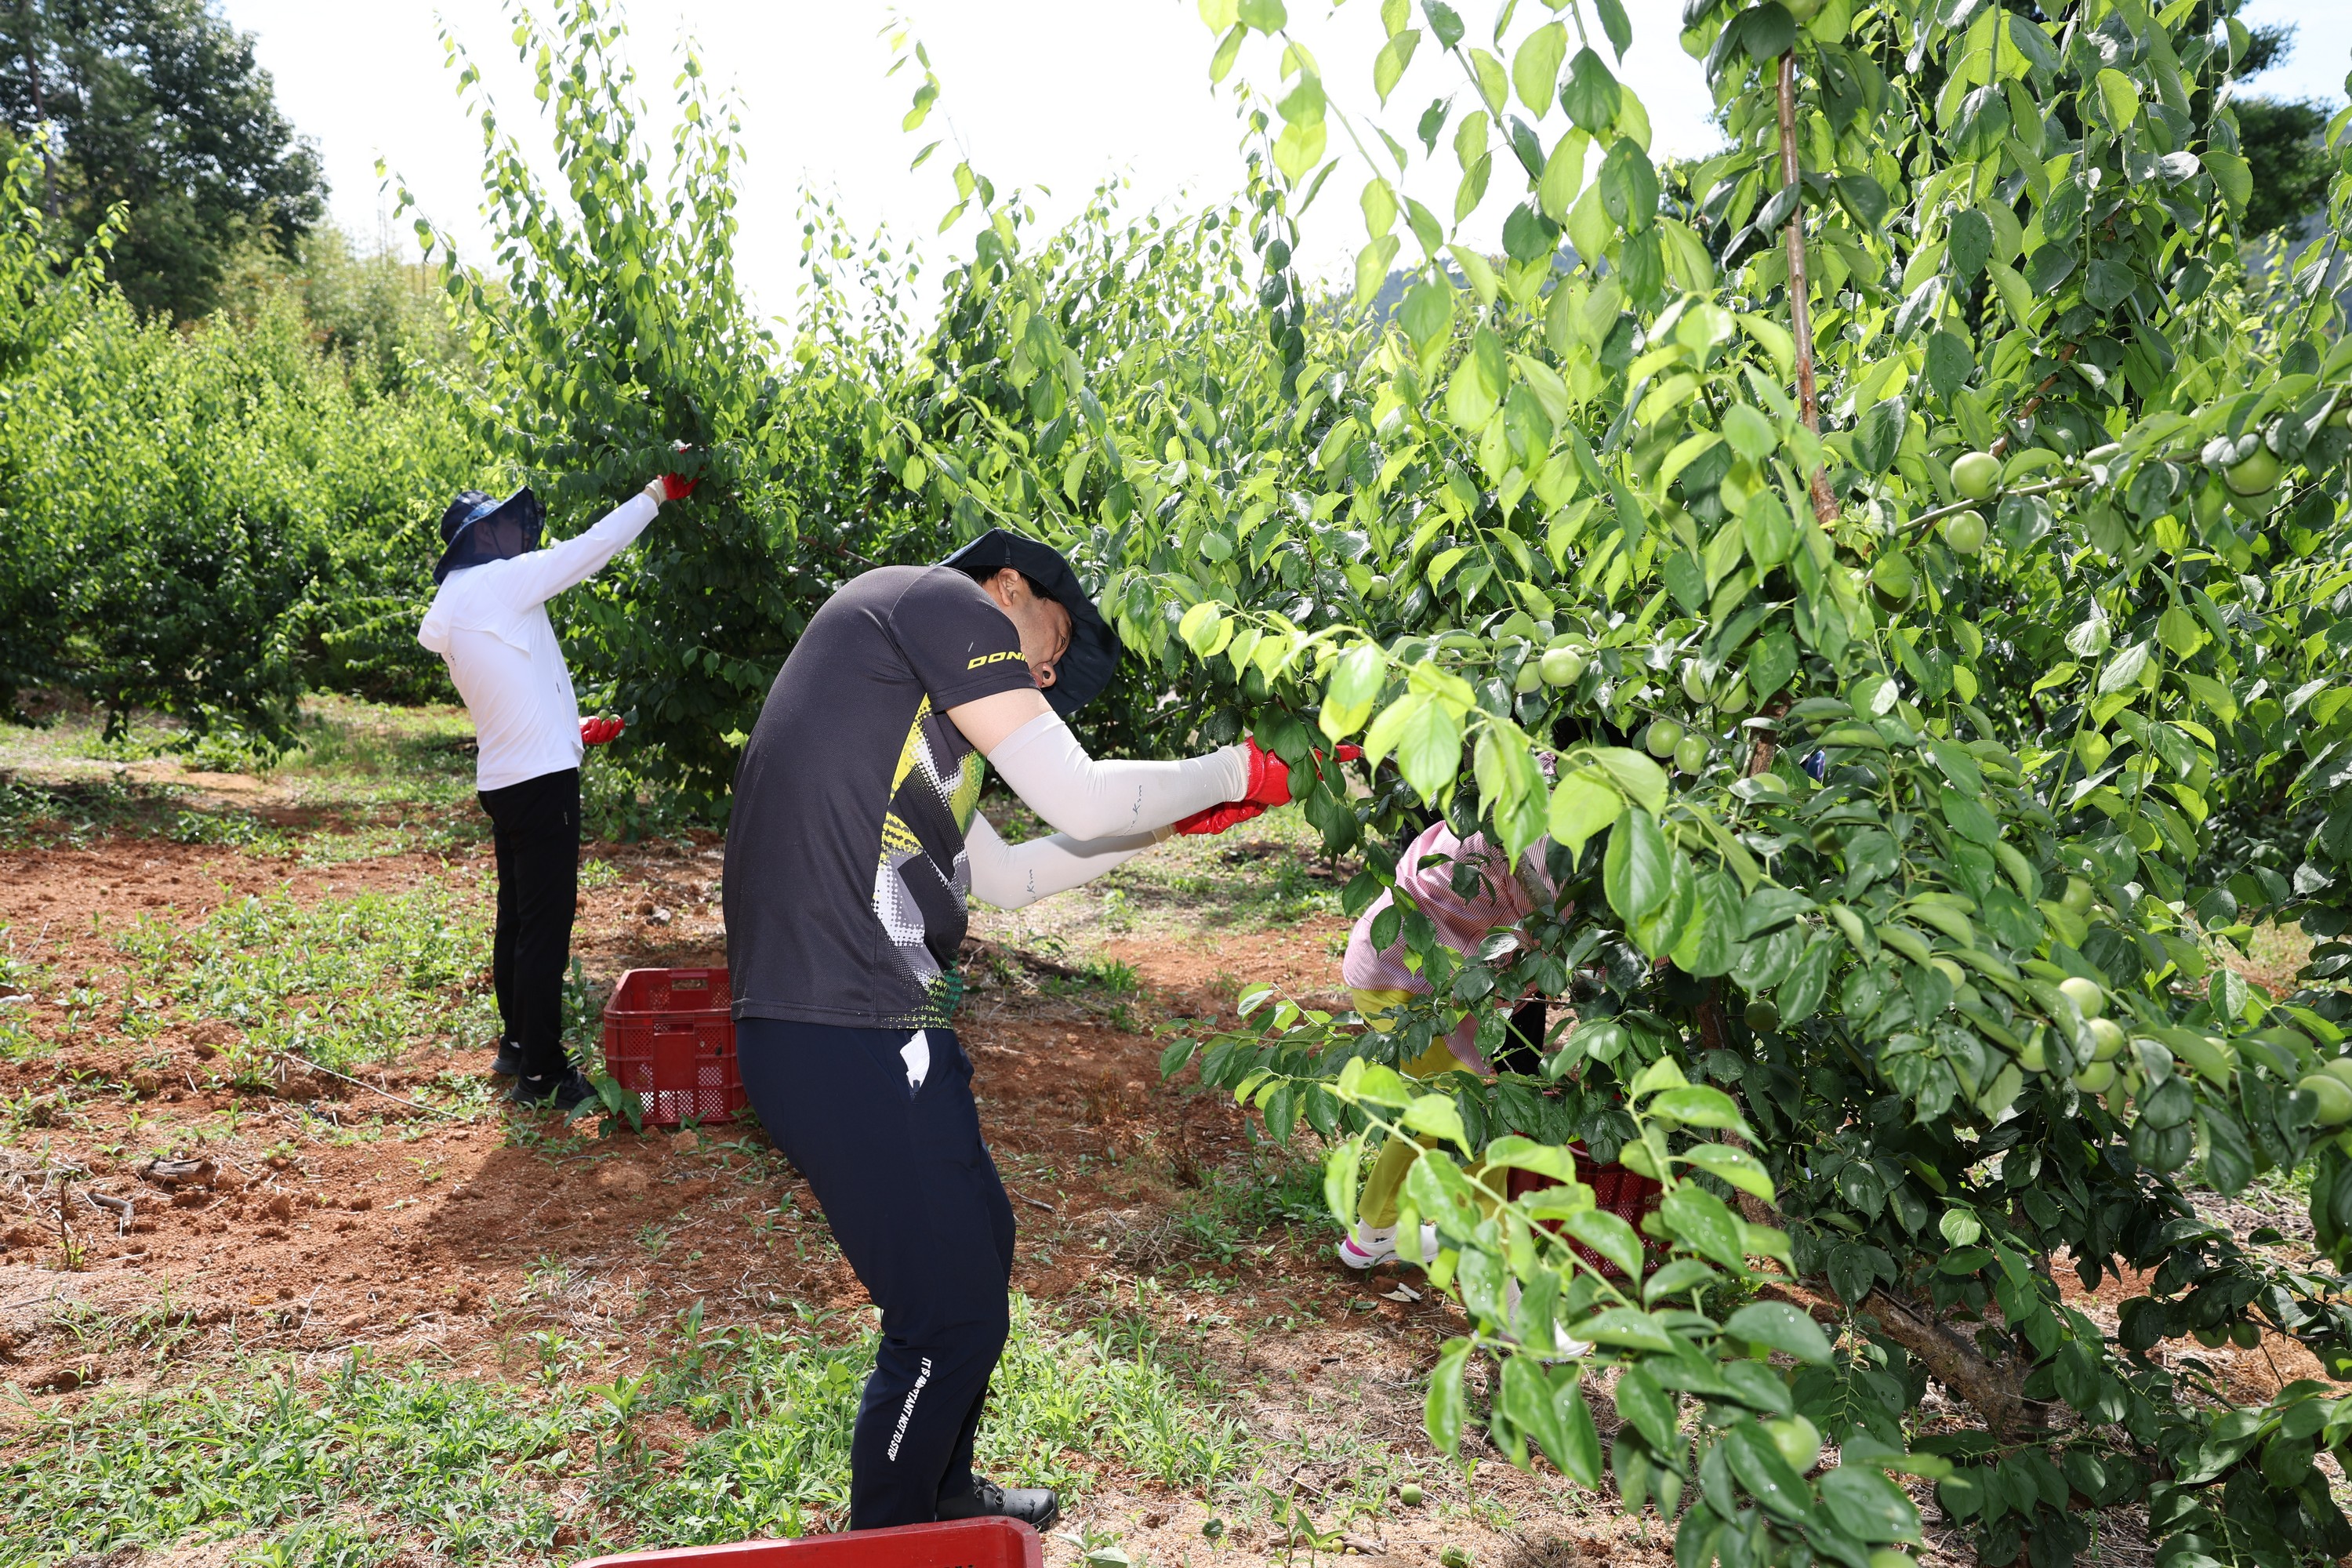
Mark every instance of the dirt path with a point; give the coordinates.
(393, 1211)
(306, 1215)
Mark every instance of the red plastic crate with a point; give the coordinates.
(965, 1543)
(669, 1037)
(1631, 1196)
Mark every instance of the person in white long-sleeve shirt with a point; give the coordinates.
(488, 622)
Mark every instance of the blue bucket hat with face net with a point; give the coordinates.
(1093, 658)
(477, 530)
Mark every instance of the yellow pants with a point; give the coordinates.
(1377, 1206)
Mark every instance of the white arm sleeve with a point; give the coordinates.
(535, 578)
(1015, 875)
(1089, 800)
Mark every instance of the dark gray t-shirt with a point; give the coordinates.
(845, 868)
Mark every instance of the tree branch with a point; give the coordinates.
(1994, 1390)
(1800, 305)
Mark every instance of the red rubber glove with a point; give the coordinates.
(1217, 818)
(1269, 775)
(596, 732)
(678, 487)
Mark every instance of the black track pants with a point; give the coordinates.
(535, 827)
(915, 1202)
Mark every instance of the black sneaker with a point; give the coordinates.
(507, 1063)
(1036, 1507)
(565, 1091)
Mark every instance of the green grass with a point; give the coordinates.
(340, 981)
(75, 813)
(727, 1434)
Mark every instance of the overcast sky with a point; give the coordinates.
(1059, 93)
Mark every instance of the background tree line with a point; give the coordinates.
(154, 147)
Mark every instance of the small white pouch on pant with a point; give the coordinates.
(917, 1054)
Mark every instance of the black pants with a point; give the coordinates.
(1523, 1047)
(913, 1198)
(535, 827)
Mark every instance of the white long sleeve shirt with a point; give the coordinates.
(489, 623)
(1015, 875)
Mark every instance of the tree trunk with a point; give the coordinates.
(1800, 304)
(29, 39)
(1994, 1390)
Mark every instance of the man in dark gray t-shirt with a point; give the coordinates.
(854, 841)
(852, 802)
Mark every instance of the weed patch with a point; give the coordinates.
(343, 981)
(726, 1435)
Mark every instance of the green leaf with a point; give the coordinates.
(2124, 669)
(2233, 174)
(1625, 1327)
(1426, 314)
(1374, 1084)
(1608, 1235)
(1488, 71)
(1436, 1115)
(1299, 148)
(1470, 400)
(1757, 1463)
(1429, 748)
(1372, 264)
(2120, 97)
(1771, 32)
(1636, 873)
(1591, 93)
(1647, 1408)
(1355, 686)
(1339, 1169)
(1781, 1327)
(2180, 632)
(2216, 697)
(1868, 1506)
(1581, 806)
(1199, 627)
(1970, 238)
(1442, 1411)
(1535, 67)
(1736, 1166)
(1389, 728)
(1229, 49)
(1616, 24)
(1525, 1399)
(1305, 103)
(1511, 1151)
(1589, 226)
(1173, 1060)
(1879, 436)
(1563, 176)
(1580, 1457)
(1751, 435)
(1699, 1219)
(1697, 1106)
(1642, 781)
(1967, 815)
(1390, 65)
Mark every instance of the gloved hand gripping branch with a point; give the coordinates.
(1269, 785)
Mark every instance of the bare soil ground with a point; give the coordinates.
(183, 1188)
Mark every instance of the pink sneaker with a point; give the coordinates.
(1368, 1245)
